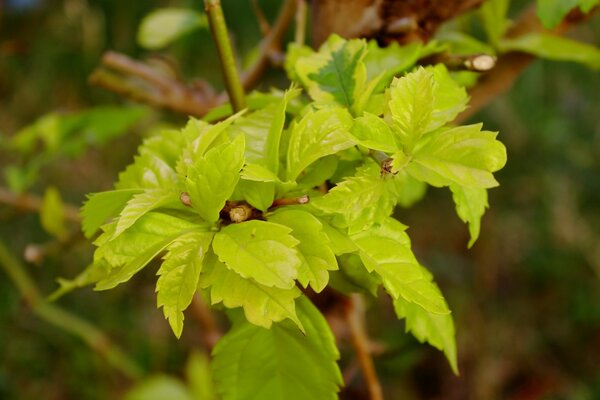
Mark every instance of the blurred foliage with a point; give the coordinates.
(526, 297)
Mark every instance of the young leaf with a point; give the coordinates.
(373, 133)
(339, 242)
(142, 203)
(404, 189)
(147, 171)
(213, 177)
(493, 13)
(436, 329)
(280, 363)
(315, 253)
(163, 26)
(554, 47)
(318, 134)
(52, 213)
(259, 195)
(390, 60)
(179, 274)
(385, 249)
(336, 72)
(464, 155)
(470, 207)
(551, 12)
(259, 250)
(258, 173)
(262, 305)
(274, 135)
(99, 207)
(91, 274)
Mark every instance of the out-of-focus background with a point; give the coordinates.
(526, 297)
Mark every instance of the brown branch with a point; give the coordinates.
(354, 315)
(32, 203)
(210, 332)
(510, 65)
(263, 24)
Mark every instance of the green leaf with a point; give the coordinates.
(212, 178)
(362, 200)
(262, 304)
(551, 12)
(165, 25)
(385, 249)
(199, 377)
(470, 207)
(390, 60)
(318, 134)
(464, 155)
(91, 274)
(142, 203)
(587, 5)
(373, 133)
(405, 190)
(101, 206)
(52, 213)
(280, 363)
(147, 171)
(353, 277)
(159, 387)
(274, 135)
(259, 250)
(336, 72)
(137, 246)
(339, 241)
(436, 329)
(179, 274)
(315, 253)
(258, 173)
(554, 48)
(493, 13)
(259, 195)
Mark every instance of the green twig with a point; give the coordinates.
(300, 33)
(216, 20)
(64, 320)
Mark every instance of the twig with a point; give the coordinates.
(209, 328)
(291, 201)
(354, 314)
(216, 21)
(300, 33)
(28, 202)
(263, 24)
(71, 323)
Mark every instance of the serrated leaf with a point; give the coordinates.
(142, 203)
(179, 274)
(464, 155)
(551, 12)
(147, 171)
(339, 241)
(470, 207)
(259, 250)
(317, 134)
(280, 363)
(316, 255)
(554, 47)
(133, 249)
(336, 72)
(274, 135)
(255, 127)
(436, 329)
(262, 305)
(404, 189)
(52, 213)
(165, 25)
(101, 206)
(212, 178)
(385, 249)
(373, 133)
(365, 201)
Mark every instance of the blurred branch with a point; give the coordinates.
(301, 13)
(64, 320)
(510, 65)
(209, 328)
(33, 203)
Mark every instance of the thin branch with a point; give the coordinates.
(68, 322)
(354, 315)
(263, 24)
(301, 13)
(28, 202)
(216, 21)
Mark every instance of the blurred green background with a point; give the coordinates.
(526, 297)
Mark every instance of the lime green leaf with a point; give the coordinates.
(390, 60)
(293, 53)
(52, 213)
(493, 13)
(353, 277)
(318, 134)
(147, 171)
(137, 246)
(551, 12)
(470, 207)
(213, 177)
(101, 206)
(163, 26)
(142, 203)
(179, 274)
(385, 249)
(362, 200)
(255, 127)
(91, 274)
(554, 48)
(450, 98)
(280, 363)
(262, 305)
(274, 136)
(199, 377)
(373, 133)
(336, 72)
(315, 253)
(436, 329)
(260, 250)
(404, 189)
(159, 387)
(464, 155)
(259, 195)
(258, 173)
